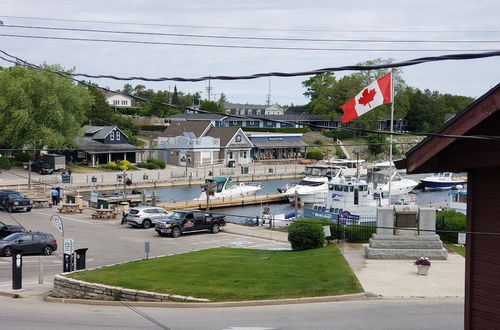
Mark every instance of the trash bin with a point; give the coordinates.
(102, 204)
(70, 199)
(80, 258)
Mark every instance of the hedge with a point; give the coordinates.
(450, 220)
(349, 233)
(305, 235)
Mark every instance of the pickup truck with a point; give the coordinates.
(189, 221)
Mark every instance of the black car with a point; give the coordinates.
(28, 243)
(6, 230)
(14, 201)
(41, 167)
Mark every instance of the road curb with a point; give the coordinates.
(348, 297)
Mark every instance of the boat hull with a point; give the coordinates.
(440, 184)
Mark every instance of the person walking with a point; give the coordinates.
(55, 196)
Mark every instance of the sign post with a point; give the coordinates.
(69, 248)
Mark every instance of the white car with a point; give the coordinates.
(145, 216)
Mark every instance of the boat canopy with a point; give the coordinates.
(218, 183)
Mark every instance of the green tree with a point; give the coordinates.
(209, 106)
(128, 89)
(175, 97)
(319, 88)
(40, 109)
(376, 143)
(100, 113)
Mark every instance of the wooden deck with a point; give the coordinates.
(224, 202)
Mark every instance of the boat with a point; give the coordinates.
(313, 187)
(458, 200)
(353, 168)
(350, 202)
(399, 185)
(224, 187)
(443, 180)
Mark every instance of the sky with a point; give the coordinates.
(440, 27)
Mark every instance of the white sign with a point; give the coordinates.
(93, 195)
(326, 231)
(461, 238)
(69, 246)
(57, 222)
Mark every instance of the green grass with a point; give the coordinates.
(227, 274)
(458, 249)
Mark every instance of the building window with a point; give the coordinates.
(117, 135)
(251, 122)
(124, 102)
(112, 136)
(116, 102)
(243, 154)
(230, 155)
(238, 138)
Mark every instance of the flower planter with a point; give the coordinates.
(422, 270)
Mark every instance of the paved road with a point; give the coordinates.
(109, 242)
(373, 315)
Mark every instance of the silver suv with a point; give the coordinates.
(145, 216)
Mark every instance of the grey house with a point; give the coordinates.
(103, 144)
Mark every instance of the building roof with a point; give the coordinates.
(435, 154)
(110, 94)
(225, 134)
(100, 132)
(197, 116)
(178, 128)
(95, 147)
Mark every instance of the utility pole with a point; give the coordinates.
(209, 90)
(207, 193)
(29, 174)
(124, 185)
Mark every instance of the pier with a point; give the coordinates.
(224, 202)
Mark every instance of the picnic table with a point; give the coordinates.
(70, 208)
(104, 214)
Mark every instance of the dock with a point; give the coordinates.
(224, 202)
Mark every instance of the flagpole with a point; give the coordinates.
(392, 131)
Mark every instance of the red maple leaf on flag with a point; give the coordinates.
(367, 96)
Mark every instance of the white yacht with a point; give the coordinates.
(444, 180)
(399, 185)
(223, 187)
(314, 185)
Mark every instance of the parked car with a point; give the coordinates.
(29, 243)
(41, 167)
(189, 221)
(6, 230)
(145, 216)
(14, 201)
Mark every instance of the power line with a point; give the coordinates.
(313, 126)
(377, 30)
(247, 37)
(340, 49)
(421, 60)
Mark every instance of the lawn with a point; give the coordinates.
(227, 274)
(456, 248)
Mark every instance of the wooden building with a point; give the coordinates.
(480, 158)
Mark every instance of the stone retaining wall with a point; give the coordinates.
(65, 287)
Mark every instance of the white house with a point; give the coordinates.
(116, 100)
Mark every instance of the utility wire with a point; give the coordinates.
(247, 37)
(411, 62)
(313, 126)
(138, 42)
(377, 30)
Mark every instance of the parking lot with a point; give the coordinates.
(108, 242)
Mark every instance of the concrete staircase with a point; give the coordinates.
(405, 247)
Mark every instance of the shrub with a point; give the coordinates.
(125, 162)
(318, 142)
(142, 165)
(305, 235)
(111, 164)
(23, 157)
(314, 154)
(351, 233)
(153, 128)
(5, 163)
(152, 164)
(450, 220)
(123, 167)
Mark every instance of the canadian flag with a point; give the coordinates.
(377, 93)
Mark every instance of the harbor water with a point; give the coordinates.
(242, 214)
